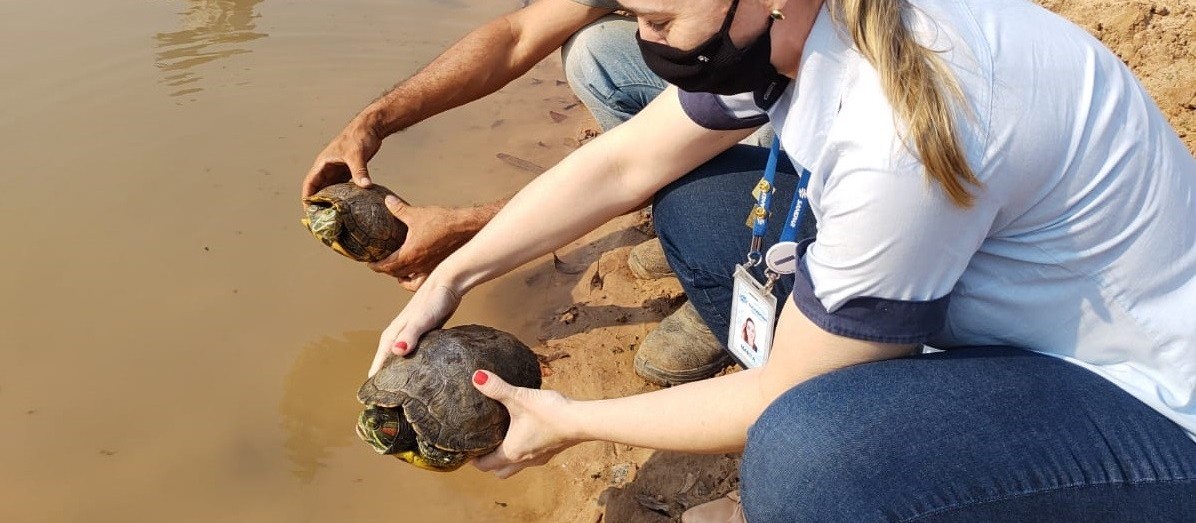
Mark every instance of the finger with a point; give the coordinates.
(360, 173)
(406, 340)
(308, 187)
(324, 172)
(389, 265)
(493, 387)
(397, 264)
(491, 462)
(510, 470)
(380, 356)
(396, 206)
(515, 468)
(376, 365)
(412, 283)
(385, 344)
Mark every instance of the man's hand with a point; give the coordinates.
(344, 158)
(433, 233)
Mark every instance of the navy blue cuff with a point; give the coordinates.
(871, 319)
(707, 111)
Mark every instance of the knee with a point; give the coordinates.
(806, 460)
(604, 68)
(578, 56)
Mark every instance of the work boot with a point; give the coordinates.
(680, 350)
(647, 261)
(722, 510)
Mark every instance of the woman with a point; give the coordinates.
(986, 178)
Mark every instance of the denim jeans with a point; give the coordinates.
(605, 69)
(973, 434)
(701, 221)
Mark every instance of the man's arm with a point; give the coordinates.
(482, 62)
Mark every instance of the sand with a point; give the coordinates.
(590, 330)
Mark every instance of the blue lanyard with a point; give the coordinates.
(797, 210)
(763, 193)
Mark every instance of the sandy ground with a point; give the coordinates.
(598, 315)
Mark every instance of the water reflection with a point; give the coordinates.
(319, 402)
(212, 29)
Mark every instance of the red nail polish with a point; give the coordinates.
(402, 345)
(480, 377)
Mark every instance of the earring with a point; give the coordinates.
(776, 14)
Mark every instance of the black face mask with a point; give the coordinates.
(715, 66)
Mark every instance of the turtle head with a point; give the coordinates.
(389, 432)
(385, 429)
(323, 219)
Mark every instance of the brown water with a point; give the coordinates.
(173, 346)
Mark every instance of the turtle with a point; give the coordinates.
(422, 408)
(354, 221)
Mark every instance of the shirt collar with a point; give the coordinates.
(804, 114)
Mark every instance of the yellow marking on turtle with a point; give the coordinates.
(414, 458)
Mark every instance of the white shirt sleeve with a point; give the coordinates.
(885, 229)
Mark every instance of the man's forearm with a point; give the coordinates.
(476, 217)
(482, 62)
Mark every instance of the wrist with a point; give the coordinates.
(388, 115)
(453, 276)
(371, 121)
(574, 422)
(575, 427)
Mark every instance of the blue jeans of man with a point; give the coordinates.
(971, 434)
(605, 69)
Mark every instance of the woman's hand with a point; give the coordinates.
(540, 426)
(428, 309)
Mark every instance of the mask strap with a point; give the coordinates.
(730, 17)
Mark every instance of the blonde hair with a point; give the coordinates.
(918, 85)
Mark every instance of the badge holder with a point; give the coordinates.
(753, 319)
(753, 306)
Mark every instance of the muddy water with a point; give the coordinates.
(173, 346)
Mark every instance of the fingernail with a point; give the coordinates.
(391, 199)
(480, 377)
(402, 345)
(364, 181)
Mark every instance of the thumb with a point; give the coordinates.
(396, 205)
(492, 386)
(360, 173)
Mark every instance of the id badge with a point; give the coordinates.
(753, 318)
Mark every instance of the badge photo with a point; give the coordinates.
(753, 317)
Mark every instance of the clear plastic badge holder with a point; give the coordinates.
(753, 317)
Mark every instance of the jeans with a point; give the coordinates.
(701, 219)
(605, 69)
(972, 434)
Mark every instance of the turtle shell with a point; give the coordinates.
(354, 221)
(433, 387)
